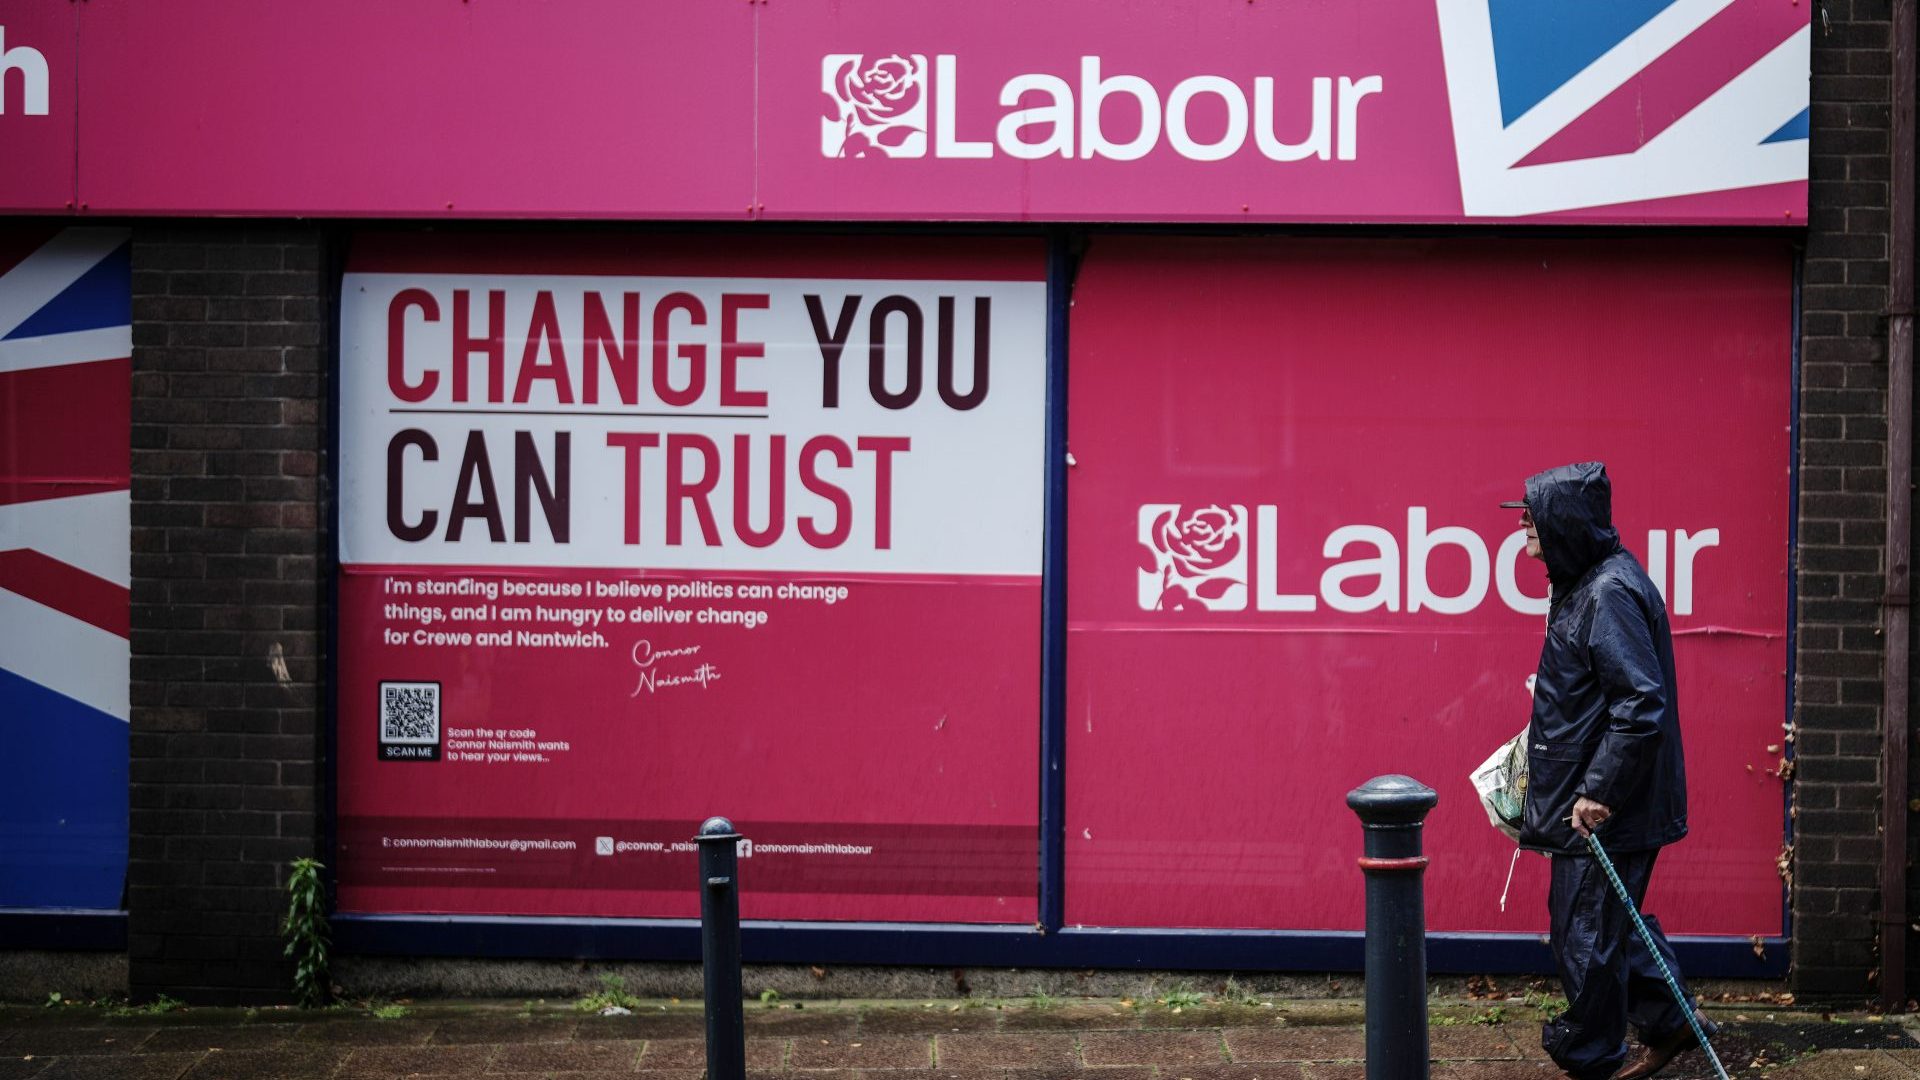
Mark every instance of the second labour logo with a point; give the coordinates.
(1199, 555)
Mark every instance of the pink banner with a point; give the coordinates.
(1289, 572)
(576, 748)
(37, 111)
(1691, 111)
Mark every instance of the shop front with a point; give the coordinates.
(1024, 483)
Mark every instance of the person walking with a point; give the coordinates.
(1603, 754)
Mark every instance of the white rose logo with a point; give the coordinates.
(878, 109)
(1196, 558)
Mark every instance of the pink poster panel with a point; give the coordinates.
(362, 108)
(1139, 110)
(1289, 573)
(38, 74)
(638, 532)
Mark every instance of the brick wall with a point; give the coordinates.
(229, 595)
(1842, 505)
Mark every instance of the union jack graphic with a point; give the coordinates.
(65, 371)
(1560, 107)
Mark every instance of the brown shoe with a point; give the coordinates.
(1652, 1057)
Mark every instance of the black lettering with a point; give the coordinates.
(831, 345)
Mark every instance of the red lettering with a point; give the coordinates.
(776, 490)
(697, 492)
(491, 345)
(811, 480)
(397, 344)
(733, 350)
(883, 450)
(695, 355)
(623, 357)
(544, 327)
(632, 443)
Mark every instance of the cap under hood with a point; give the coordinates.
(1572, 508)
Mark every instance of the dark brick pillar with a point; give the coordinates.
(1843, 435)
(229, 593)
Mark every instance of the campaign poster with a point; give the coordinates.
(635, 530)
(1289, 572)
(66, 339)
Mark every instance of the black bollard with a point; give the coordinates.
(720, 949)
(1391, 810)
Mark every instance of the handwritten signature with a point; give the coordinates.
(645, 656)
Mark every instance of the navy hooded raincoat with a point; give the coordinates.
(1605, 724)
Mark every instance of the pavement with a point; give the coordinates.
(1042, 1039)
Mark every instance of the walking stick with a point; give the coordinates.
(1673, 984)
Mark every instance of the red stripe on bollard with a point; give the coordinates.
(1415, 864)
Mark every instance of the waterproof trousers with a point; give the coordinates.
(1607, 973)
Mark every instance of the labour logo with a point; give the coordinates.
(1198, 557)
(880, 107)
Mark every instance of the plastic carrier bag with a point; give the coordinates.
(1501, 782)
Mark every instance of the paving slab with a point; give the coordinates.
(222, 1037)
(939, 1020)
(1271, 1070)
(291, 1063)
(762, 1054)
(862, 1052)
(353, 1031)
(1074, 1017)
(603, 1055)
(1016, 1050)
(1131, 1072)
(1476, 1041)
(1168, 1049)
(153, 1067)
(504, 1029)
(77, 1041)
(1317, 1042)
(801, 1021)
(1499, 1070)
(1203, 1016)
(1847, 1065)
(1333, 1071)
(380, 1062)
(643, 1025)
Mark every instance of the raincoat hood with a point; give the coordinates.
(1572, 508)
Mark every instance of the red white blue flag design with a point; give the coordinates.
(1563, 107)
(65, 348)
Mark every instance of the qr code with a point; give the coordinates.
(410, 713)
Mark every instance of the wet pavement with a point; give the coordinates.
(1065, 1040)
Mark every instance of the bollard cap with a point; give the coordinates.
(716, 829)
(1392, 800)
